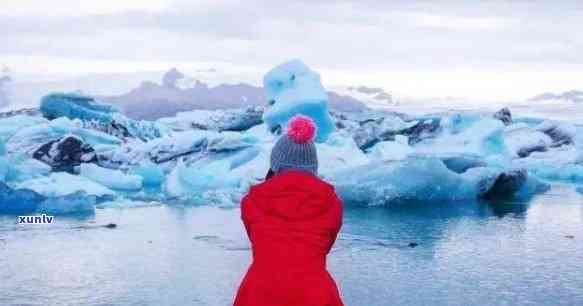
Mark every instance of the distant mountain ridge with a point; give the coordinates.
(151, 100)
(371, 95)
(575, 96)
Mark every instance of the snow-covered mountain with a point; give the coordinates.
(575, 96)
(373, 96)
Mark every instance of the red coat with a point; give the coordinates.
(292, 221)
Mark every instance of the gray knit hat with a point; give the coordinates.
(295, 150)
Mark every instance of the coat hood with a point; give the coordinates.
(294, 195)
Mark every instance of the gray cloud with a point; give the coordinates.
(414, 35)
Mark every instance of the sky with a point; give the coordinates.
(487, 49)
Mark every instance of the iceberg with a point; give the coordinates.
(18, 201)
(29, 139)
(338, 152)
(188, 144)
(428, 180)
(61, 183)
(99, 116)
(74, 203)
(236, 120)
(413, 179)
(560, 133)
(158, 151)
(460, 163)
(504, 115)
(580, 189)
(569, 172)
(75, 106)
(152, 175)
(199, 178)
(371, 131)
(391, 150)
(483, 138)
(292, 88)
(22, 168)
(65, 153)
(109, 178)
(458, 122)
(11, 125)
(521, 140)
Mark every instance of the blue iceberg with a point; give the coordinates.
(74, 203)
(19, 201)
(99, 116)
(75, 106)
(152, 175)
(428, 180)
(113, 179)
(293, 88)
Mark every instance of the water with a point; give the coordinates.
(467, 254)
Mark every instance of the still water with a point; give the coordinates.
(466, 254)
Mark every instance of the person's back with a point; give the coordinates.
(292, 221)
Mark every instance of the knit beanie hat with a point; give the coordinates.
(295, 150)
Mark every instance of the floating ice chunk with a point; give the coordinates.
(390, 150)
(217, 120)
(9, 126)
(262, 133)
(560, 163)
(152, 175)
(199, 178)
(371, 131)
(159, 150)
(504, 115)
(484, 137)
(426, 180)
(568, 172)
(254, 169)
(522, 141)
(113, 179)
(62, 183)
(462, 162)
(142, 129)
(75, 203)
(458, 122)
(75, 106)
(244, 156)
(31, 138)
(189, 144)
(293, 88)
(230, 141)
(18, 201)
(560, 133)
(65, 153)
(87, 109)
(338, 152)
(413, 179)
(23, 168)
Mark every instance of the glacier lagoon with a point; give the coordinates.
(447, 208)
(451, 253)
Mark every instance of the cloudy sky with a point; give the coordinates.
(491, 49)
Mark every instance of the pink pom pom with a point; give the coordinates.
(301, 129)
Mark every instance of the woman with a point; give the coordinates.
(292, 220)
